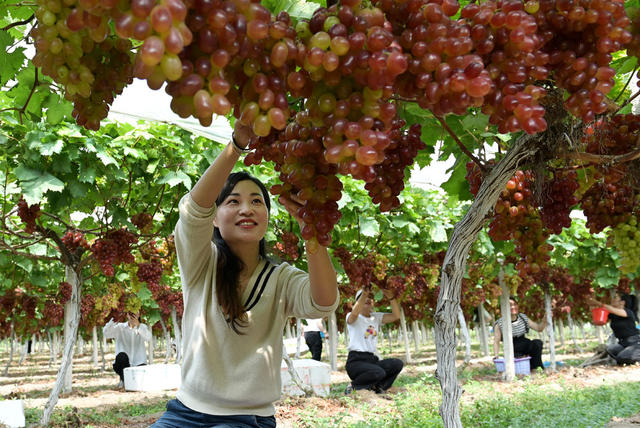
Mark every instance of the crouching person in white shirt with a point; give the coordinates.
(130, 337)
(364, 367)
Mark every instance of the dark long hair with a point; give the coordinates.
(630, 302)
(229, 264)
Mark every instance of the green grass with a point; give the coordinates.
(538, 405)
(113, 415)
(573, 407)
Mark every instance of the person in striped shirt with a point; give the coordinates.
(520, 325)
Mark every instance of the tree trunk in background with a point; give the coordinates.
(550, 330)
(94, 346)
(306, 389)
(572, 329)
(600, 334)
(102, 342)
(71, 322)
(167, 341)
(584, 334)
(51, 348)
(405, 336)
(23, 352)
(177, 333)
(507, 332)
(151, 349)
(80, 345)
(12, 338)
(287, 331)
(464, 332)
(423, 331)
(464, 234)
(416, 336)
(299, 337)
(561, 332)
(484, 332)
(389, 344)
(333, 340)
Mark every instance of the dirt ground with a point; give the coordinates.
(33, 380)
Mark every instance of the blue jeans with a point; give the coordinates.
(180, 416)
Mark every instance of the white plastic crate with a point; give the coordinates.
(523, 365)
(154, 377)
(312, 372)
(291, 346)
(12, 413)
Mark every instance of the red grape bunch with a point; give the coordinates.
(142, 221)
(559, 197)
(395, 284)
(74, 47)
(74, 239)
(28, 215)
(516, 217)
(114, 249)
(160, 26)
(53, 313)
(607, 205)
(151, 273)
(64, 292)
(287, 246)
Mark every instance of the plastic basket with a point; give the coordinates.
(599, 316)
(522, 364)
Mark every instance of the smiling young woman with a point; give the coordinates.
(236, 301)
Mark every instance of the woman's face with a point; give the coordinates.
(513, 306)
(617, 302)
(242, 217)
(368, 305)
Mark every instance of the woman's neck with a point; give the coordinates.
(514, 317)
(250, 257)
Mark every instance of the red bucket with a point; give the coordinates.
(599, 316)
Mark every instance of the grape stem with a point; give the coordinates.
(627, 84)
(631, 98)
(23, 109)
(462, 146)
(608, 159)
(17, 23)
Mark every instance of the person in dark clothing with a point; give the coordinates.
(314, 333)
(364, 367)
(520, 325)
(622, 319)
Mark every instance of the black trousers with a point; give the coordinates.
(532, 348)
(314, 342)
(626, 351)
(121, 363)
(367, 371)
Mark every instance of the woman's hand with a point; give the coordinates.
(242, 134)
(292, 204)
(594, 303)
(388, 294)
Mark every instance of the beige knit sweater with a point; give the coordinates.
(224, 373)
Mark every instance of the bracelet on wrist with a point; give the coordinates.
(236, 147)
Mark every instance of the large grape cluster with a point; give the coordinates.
(28, 215)
(113, 249)
(287, 246)
(64, 292)
(75, 47)
(516, 217)
(558, 199)
(626, 239)
(348, 68)
(53, 313)
(74, 240)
